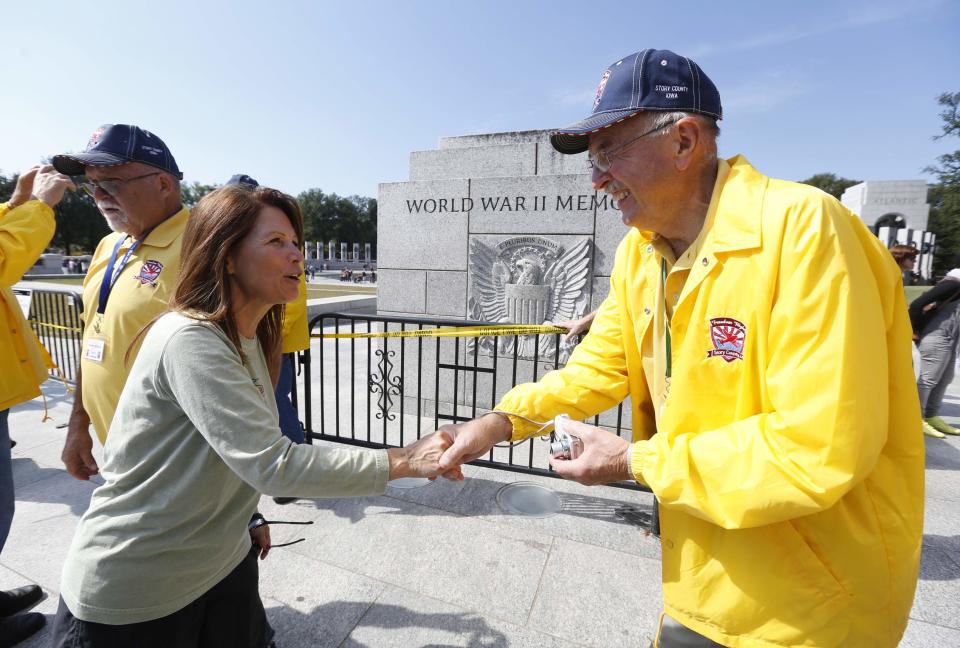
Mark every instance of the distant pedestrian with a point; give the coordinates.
(935, 316)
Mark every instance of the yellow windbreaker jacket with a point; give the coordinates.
(790, 476)
(24, 233)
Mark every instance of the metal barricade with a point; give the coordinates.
(388, 391)
(55, 317)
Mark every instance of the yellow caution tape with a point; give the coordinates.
(454, 331)
(57, 326)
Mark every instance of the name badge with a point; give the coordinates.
(94, 350)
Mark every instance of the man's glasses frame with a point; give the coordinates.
(112, 187)
(605, 157)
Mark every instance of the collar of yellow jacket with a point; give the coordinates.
(166, 232)
(736, 224)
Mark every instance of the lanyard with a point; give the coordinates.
(666, 318)
(110, 276)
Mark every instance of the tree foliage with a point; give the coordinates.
(192, 192)
(327, 217)
(944, 195)
(830, 183)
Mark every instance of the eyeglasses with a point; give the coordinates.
(605, 157)
(112, 187)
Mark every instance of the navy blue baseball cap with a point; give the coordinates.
(114, 144)
(242, 179)
(646, 80)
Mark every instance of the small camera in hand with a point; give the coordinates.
(566, 446)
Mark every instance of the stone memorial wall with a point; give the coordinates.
(496, 227)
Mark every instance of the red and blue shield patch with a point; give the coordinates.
(727, 335)
(149, 272)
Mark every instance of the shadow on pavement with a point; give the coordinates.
(937, 563)
(53, 486)
(480, 498)
(942, 455)
(471, 627)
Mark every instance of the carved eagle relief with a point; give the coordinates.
(527, 280)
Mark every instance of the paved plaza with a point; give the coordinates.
(442, 565)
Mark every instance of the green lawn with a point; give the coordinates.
(915, 291)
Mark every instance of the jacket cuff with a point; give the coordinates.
(640, 456)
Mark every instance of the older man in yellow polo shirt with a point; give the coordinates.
(135, 181)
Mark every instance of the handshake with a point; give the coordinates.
(603, 457)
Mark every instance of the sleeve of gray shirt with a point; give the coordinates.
(203, 373)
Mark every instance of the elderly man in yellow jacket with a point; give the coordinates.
(26, 227)
(762, 333)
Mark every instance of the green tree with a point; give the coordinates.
(830, 183)
(192, 192)
(329, 217)
(944, 195)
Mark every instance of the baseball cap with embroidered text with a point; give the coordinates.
(115, 144)
(647, 80)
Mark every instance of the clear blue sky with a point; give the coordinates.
(335, 95)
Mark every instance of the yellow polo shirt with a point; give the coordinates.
(296, 337)
(140, 293)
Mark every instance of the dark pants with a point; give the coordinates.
(289, 421)
(6, 479)
(673, 634)
(230, 615)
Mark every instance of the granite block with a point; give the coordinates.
(928, 635)
(401, 618)
(316, 602)
(549, 204)
(938, 589)
(610, 231)
(402, 290)
(511, 160)
(419, 547)
(552, 162)
(601, 288)
(620, 594)
(447, 294)
(496, 139)
(415, 233)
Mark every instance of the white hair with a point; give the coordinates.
(662, 119)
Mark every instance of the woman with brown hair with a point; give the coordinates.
(160, 558)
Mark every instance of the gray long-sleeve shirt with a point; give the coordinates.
(194, 442)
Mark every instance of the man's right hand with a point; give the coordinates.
(77, 453)
(49, 185)
(24, 188)
(472, 440)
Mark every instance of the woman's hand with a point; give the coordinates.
(419, 459)
(261, 538)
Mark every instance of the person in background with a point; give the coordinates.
(906, 258)
(935, 316)
(26, 227)
(135, 181)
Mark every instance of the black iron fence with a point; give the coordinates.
(55, 316)
(389, 391)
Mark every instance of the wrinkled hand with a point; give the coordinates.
(77, 453)
(419, 459)
(24, 188)
(575, 327)
(261, 538)
(49, 185)
(603, 460)
(472, 440)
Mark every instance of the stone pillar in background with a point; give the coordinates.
(332, 251)
(356, 251)
(319, 251)
(343, 252)
(366, 252)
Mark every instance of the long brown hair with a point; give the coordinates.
(217, 224)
